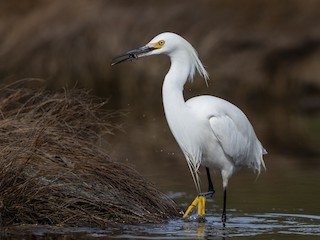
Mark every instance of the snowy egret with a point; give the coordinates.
(210, 131)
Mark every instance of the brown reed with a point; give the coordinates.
(52, 170)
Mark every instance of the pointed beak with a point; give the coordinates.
(133, 54)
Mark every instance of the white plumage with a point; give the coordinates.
(210, 131)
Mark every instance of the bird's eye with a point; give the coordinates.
(161, 42)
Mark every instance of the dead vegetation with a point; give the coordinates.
(52, 170)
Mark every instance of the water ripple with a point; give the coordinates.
(292, 226)
(239, 226)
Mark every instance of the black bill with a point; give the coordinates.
(131, 55)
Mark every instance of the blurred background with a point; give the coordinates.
(263, 56)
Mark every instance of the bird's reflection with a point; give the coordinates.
(206, 230)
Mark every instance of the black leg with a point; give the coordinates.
(211, 189)
(224, 212)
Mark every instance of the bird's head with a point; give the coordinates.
(170, 44)
(159, 44)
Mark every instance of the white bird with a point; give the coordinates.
(210, 131)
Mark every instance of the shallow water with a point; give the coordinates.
(239, 226)
(286, 226)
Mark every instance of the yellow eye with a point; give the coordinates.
(161, 43)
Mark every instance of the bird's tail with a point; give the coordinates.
(256, 162)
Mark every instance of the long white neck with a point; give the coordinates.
(172, 89)
(177, 113)
(184, 64)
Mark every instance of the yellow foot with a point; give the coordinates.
(200, 202)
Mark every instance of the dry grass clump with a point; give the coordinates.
(53, 172)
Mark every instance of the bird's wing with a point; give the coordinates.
(232, 140)
(232, 130)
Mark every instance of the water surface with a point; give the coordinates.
(239, 226)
